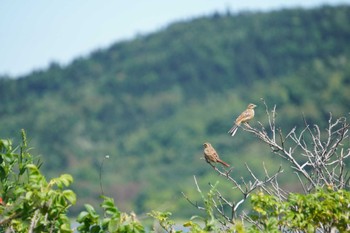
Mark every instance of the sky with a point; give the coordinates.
(35, 33)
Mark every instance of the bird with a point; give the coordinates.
(245, 116)
(211, 155)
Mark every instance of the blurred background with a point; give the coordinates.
(147, 82)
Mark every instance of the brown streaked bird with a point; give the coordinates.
(245, 116)
(211, 155)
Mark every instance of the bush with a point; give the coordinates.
(30, 203)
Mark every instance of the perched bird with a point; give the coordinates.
(211, 155)
(245, 116)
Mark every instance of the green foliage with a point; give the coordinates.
(112, 221)
(29, 201)
(323, 209)
(211, 222)
(198, 224)
(163, 219)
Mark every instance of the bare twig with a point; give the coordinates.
(324, 165)
(316, 156)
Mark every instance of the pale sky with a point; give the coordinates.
(35, 33)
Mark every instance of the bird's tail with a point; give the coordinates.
(223, 163)
(233, 130)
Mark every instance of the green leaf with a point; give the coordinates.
(65, 228)
(2, 173)
(90, 209)
(96, 229)
(113, 225)
(81, 217)
(70, 196)
(310, 228)
(66, 179)
(19, 190)
(29, 195)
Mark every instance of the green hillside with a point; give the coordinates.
(151, 102)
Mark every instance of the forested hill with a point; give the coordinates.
(151, 102)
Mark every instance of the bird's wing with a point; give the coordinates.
(244, 116)
(215, 154)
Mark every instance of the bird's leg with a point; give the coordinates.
(208, 161)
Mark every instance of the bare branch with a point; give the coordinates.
(322, 156)
(317, 157)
